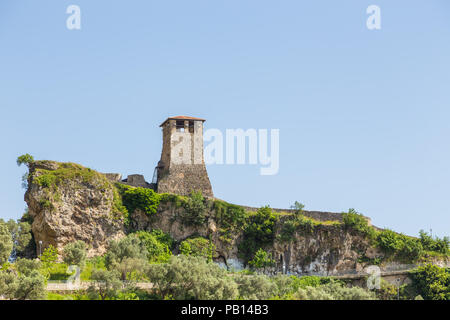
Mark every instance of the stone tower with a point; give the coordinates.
(182, 167)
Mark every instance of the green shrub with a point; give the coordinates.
(70, 172)
(26, 266)
(258, 287)
(432, 282)
(399, 245)
(193, 278)
(91, 264)
(164, 238)
(6, 243)
(356, 221)
(230, 218)
(261, 260)
(309, 281)
(258, 232)
(143, 199)
(434, 245)
(24, 159)
(334, 291)
(194, 209)
(229, 215)
(198, 247)
(58, 271)
(49, 256)
(158, 251)
(298, 223)
(75, 253)
(105, 285)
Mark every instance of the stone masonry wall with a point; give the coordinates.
(182, 166)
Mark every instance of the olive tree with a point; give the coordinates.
(75, 253)
(6, 243)
(189, 277)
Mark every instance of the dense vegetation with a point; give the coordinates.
(147, 257)
(185, 269)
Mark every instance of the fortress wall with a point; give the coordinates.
(317, 215)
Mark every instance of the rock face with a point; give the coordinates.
(69, 202)
(327, 250)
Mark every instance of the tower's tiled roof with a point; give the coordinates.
(182, 118)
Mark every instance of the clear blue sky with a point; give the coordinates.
(363, 115)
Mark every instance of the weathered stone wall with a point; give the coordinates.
(327, 250)
(316, 215)
(182, 166)
(182, 179)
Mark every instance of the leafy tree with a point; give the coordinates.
(199, 247)
(258, 287)
(28, 285)
(261, 260)
(432, 282)
(31, 287)
(105, 284)
(49, 256)
(164, 238)
(25, 159)
(157, 250)
(75, 253)
(334, 291)
(399, 245)
(309, 281)
(188, 277)
(195, 209)
(387, 291)
(125, 254)
(8, 284)
(21, 235)
(143, 199)
(27, 266)
(436, 245)
(6, 243)
(131, 268)
(298, 208)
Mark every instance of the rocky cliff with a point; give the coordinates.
(69, 202)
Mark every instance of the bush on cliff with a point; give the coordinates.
(436, 244)
(357, 222)
(157, 251)
(259, 232)
(230, 219)
(194, 209)
(261, 260)
(198, 247)
(432, 282)
(399, 245)
(134, 198)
